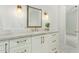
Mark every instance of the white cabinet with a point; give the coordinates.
(21, 45)
(50, 44)
(47, 43)
(36, 44)
(4, 47)
(41, 43)
(53, 43)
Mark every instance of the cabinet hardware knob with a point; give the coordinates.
(54, 41)
(25, 50)
(53, 49)
(53, 34)
(17, 41)
(25, 40)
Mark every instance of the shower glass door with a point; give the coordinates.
(72, 21)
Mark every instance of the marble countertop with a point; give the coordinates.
(14, 35)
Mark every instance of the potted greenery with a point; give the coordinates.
(47, 25)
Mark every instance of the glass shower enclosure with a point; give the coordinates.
(72, 28)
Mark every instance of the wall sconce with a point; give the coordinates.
(19, 8)
(45, 15)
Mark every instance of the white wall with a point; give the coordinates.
(62, 26)
(10, 21)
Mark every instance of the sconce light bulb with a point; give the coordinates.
(19, 10)
(45, 15)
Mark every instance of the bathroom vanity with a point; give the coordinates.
(35, 42)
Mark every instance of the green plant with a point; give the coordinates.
(47, 25)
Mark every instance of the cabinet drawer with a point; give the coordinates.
(53, 45)
(53, 50)
(52, 35)
(19, 42)
(54, 38)
(20, 49)
(52, 41)
(2, 51)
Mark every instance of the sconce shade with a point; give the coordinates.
(45, 16)
(45, 13)
(19, 6)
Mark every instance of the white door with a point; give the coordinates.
(36, 44)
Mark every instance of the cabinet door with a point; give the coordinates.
(20, 45)
(36, 44)
(4, 46)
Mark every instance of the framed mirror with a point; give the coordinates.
(34, 17)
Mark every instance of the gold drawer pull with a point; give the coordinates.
(17, 41)
(53, 34)
(56, 52)
(53, 49)
(21, 41)
(24, 40)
